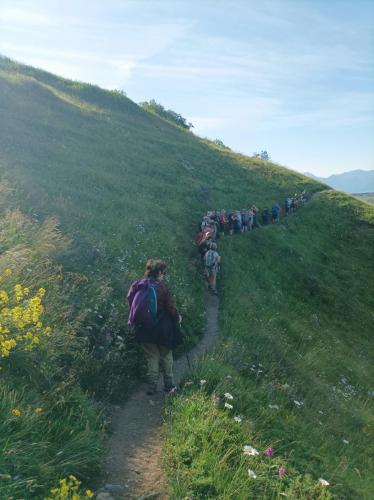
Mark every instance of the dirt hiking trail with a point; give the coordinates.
(134, 447)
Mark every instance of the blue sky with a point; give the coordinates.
(295, 77)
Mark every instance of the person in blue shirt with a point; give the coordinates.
(275, 209)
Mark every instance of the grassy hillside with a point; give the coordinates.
(123, 185)
(296, 314)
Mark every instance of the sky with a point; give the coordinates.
(293, 77)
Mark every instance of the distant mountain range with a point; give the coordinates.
(356, 181)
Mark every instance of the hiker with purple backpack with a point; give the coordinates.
(156, 324)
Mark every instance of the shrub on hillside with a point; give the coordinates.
(154, 107)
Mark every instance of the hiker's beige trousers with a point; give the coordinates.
(158, 357)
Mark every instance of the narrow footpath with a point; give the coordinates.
(133, 464)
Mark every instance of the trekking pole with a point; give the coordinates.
(188, 361)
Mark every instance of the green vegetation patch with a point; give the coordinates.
(49, 428)
(296, 313)
(124, 185)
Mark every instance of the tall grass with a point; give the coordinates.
(48, 427)
(296, 314)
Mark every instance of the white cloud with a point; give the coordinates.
(21, 16)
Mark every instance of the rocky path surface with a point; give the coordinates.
(133, 463)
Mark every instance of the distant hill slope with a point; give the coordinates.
(368, 197)
(356, 181)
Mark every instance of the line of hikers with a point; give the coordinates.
(217, 223)
(153, 315)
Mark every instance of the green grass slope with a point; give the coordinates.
(124, 186)
(297, 313)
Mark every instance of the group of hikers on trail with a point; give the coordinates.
(152, 312)
(217, 223)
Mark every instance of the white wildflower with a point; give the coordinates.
(228, 406)
(251, 474)
(298, 403)
(345, 441)
(323, 482)
(228, 396)
(274, 407)
(202, 382)
(249, 450)
(238, 418)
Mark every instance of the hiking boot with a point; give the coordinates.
(170, 390)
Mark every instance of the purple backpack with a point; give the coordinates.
(142, 299)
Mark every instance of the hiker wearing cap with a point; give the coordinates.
(255, 212)
(237, 221)
(303, 197)
(213, 228)
(222, 222)
(250, 219)
(204, 244)
(245, 220)
(287, 205)
(230, 222)
(211, 262)
(265, 216)
(294, 202)
(275, 209)
(156, 323)
(205, 222)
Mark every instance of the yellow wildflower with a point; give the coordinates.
(16, 412)
(38, 410)
(88, 494)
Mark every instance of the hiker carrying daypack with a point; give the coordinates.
(211, 261)
(142, 298)
(265, 216)
(275, 209)
(156, 321)
(222, 222)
